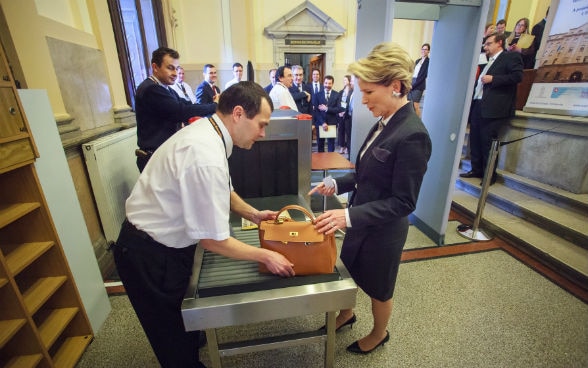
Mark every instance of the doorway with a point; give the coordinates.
(308, 61)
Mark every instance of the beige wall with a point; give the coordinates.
(226, 31)
(532, 9)
(84, 23)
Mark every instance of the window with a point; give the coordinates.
(138, 30)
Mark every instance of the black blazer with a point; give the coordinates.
(333, 107)
(205, 94)
(304, 106)
(384, 190)
(499, 97)
(420, 82)
(159, 112)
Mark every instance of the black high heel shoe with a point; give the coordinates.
(350, 321)
(354, 348)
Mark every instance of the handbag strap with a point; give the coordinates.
(295, 207)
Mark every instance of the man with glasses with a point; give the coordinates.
(301, 92)
(493, 102)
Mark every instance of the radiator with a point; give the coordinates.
(112, 168)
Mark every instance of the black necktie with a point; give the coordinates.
(173, 93)
(183, 89)
(316, 88)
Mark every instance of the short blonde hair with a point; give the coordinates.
(386, 63)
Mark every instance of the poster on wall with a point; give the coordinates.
(561, 83)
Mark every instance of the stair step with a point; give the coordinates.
(537, 240)
(567, 223)
(545, 192)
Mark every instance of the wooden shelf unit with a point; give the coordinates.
(42, 319)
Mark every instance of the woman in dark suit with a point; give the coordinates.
(384, 187)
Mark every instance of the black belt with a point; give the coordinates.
(150, 242)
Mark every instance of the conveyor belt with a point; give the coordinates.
(220, 275)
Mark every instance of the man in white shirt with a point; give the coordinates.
(182, 200)
(182, 88)
(280, 94)
(237, 73)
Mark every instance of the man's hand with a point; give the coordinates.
(264, 215)
(278, 264)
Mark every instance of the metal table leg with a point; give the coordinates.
(324, 197)
(212, 342)
(330, 342)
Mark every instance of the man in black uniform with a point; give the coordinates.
(160, 111)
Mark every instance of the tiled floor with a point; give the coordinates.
(482, 304)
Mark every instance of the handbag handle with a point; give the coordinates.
(294, 207)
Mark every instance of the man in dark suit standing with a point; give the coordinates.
(160, 111)
(493, 103)
(300, 91)
(326, 109)
(207, 91)
(537, 31)
(272, 77)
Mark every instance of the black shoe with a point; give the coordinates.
(354, 348)
(492, 181)
(470, 174)
(350, 321)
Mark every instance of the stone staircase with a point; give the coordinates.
(548, 223)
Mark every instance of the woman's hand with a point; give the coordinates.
(330, 221)
(322, 189)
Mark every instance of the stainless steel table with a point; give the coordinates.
(226, 292)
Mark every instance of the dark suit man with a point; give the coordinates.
(207, 91)
(160, 111)
(493, 103)
(326, 106)
(272, 77)
(300, 91)
(537, 31)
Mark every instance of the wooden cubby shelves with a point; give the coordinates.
(42, 319)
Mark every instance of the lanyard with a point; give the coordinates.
(218, 131)
(220, 134)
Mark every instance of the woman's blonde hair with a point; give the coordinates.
(387, 62)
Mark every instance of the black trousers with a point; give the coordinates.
(344, 131)
(482, 132)
(155, 278)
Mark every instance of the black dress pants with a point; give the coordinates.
(482, 132)
(156, 278)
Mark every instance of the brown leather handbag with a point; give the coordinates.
(311, 252)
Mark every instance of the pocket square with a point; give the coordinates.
(381, 154)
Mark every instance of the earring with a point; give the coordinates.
(396, 94)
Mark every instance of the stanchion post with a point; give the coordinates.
(473, 232)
